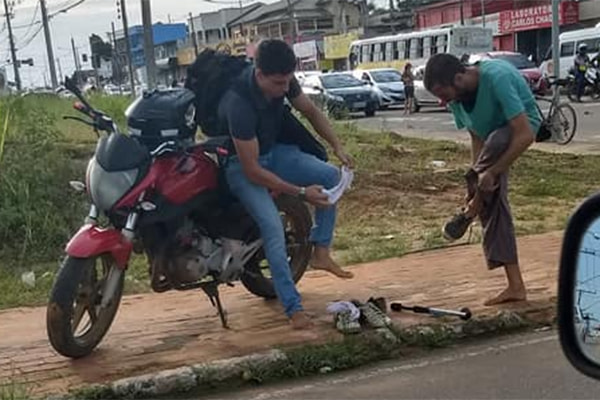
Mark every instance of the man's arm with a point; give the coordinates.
(522, 137)
(241, 120)
(476, 146)
(248, 153)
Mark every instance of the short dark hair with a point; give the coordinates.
(441, 70)
(275, 57)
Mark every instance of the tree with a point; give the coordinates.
(100, 49)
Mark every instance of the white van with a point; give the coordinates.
(569, 41)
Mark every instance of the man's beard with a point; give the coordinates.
(466, 97)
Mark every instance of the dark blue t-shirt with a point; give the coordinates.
(245, 113)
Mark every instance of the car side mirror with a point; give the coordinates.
(579, 289)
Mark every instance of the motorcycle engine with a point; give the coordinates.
(197, 255)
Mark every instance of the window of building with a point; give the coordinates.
(306, 25)
(325, 23)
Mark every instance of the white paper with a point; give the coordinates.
(337, 191)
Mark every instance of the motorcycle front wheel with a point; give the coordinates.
(75, 320)
(297, 223)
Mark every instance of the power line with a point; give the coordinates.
(37, 9)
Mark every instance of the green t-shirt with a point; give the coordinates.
(502, 95)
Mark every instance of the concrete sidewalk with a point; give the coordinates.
(154, 332)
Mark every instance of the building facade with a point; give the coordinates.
(517, 25)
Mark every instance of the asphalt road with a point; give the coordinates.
(436, 123)
(529, 366)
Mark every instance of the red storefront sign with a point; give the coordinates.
(538, 17)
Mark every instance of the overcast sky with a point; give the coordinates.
(93, 16)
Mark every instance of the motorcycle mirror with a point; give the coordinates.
(579, 289)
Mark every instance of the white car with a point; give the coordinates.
(422, 96)
(386, 82)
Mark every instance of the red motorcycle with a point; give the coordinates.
(171, 203)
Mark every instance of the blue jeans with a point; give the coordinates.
(580, 77)
(298, 168)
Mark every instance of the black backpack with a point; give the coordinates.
(211, 75)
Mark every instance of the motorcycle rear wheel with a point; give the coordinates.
(297, 223)
(75, 321)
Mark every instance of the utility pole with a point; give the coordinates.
(462, 12)
(115, 57)
(13, 50)
(128, 44)
(194, 37)
(392, 16)
(292, 20)
(76, 59)
(483, 12)
(49, 48)
(555, 55)
(59, 70)
(149, 44)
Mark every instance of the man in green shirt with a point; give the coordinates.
(494, 103)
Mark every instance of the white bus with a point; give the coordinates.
(395, 50)
(569, 42)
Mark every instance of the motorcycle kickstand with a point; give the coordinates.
(212, 291)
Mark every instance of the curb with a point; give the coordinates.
(307, 360)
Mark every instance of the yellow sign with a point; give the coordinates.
(338, 46)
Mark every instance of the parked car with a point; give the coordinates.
(387, 84)
(302, 75)
(527, 68)
(342, 92)
(422, 96)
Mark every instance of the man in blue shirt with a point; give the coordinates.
(253, 113)
(494, 103)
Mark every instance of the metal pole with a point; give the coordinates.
(483, 12)
(76, 59)
(194, 38)
(292, 20)
(149, 44)
(128, 44)
(115, 57)
(49, 48)
(59, 70)
(13, 50)
(392, 16)
(555, 55)
(462, 12)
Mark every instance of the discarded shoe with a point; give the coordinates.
(373, 315)
(346, 324)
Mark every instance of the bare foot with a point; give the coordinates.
(507, 296)
(331, 267)
(300, 321)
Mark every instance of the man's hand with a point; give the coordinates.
(344, 157)
(487, 181)
(315, 196)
